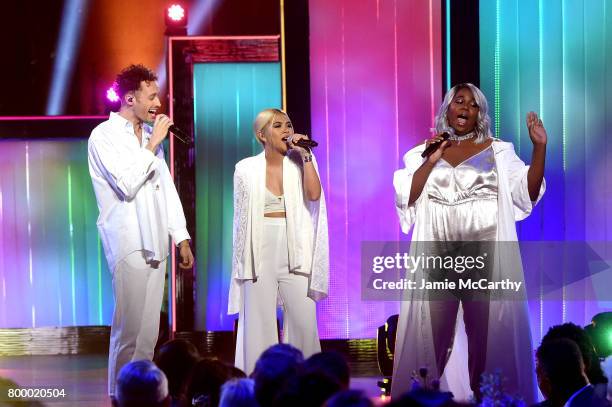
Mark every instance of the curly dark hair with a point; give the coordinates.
(581, 338)
(129, 79)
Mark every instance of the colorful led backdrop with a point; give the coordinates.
(376, 82)
(375, 71)
(52, 266)
(227, 97)
(553, 57)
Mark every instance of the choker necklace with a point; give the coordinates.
(459, 139)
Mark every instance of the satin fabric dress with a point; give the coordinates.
(462, 217)
(508, 322)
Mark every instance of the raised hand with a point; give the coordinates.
(537, 132)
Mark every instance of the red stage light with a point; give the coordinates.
(176, 12)
(176, 20)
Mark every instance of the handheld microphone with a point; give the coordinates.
(304, 143)
(434, 146)
(179, 134)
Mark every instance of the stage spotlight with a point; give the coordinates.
(176, 12)
(112, 101)
(600, 332)
(176, 20)
(111, 95)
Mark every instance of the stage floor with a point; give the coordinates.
(83, 378)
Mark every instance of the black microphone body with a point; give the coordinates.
(434, 146)
(180, 133)
(306, 143)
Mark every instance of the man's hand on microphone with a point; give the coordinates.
(436, 155)
(186, 255)
(160, 131)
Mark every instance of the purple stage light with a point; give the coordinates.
(111, 95)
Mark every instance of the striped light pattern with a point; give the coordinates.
(227, 97)
(52, 269)
(376, 80)
(553, 57)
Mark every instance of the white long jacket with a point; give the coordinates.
(509, 345)
(307, 238)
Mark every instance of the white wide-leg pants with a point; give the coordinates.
(138, 288)
(257, 329)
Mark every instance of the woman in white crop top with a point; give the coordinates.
(280, 248)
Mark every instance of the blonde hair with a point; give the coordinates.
(483, 123)
(263, 119)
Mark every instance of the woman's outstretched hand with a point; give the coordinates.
(537, 132)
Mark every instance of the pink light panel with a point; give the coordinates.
(376, 80)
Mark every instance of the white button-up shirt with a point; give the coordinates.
(138, 203)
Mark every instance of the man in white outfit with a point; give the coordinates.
(139, 209)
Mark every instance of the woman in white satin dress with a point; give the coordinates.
(471, 188)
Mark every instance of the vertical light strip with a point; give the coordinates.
(344, 158)
(431, 67)
(170, 104)
(3, 301)
(237, 110)
(396, 88)
(448, 44)
(99, 247)
(2, 268)
(605, 145)
(71, 234)
(496, 66)
(541, 55)
(541, 80)
(563, 89)
(564, 137)
(172, 283)
(518, 78)
(59, 307)
(30, 268)
(541, 327)
(283, 73)
(326, 87)
(395, 80)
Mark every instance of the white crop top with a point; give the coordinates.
(273, 203)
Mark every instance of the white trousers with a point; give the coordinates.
(138, 289)
(257, 329)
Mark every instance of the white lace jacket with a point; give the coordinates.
(307, 238)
